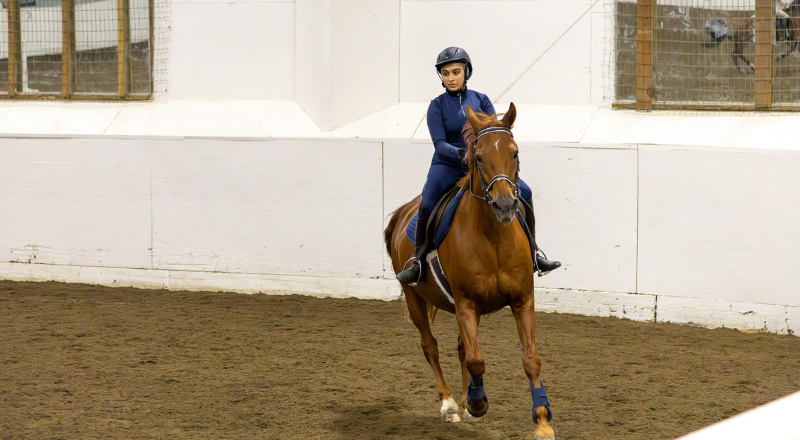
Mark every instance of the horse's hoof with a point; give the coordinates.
(450, 411)
(451, 417)
(543, 433)
(479, 413)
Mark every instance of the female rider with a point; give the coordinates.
(446, 116)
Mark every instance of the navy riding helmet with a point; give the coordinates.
(455, 55)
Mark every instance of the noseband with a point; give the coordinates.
(484, 186)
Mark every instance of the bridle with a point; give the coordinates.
(484, 186)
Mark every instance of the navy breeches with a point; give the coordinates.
(443, 177)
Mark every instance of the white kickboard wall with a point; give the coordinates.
(681, 234)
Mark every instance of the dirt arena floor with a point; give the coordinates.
(87, 362)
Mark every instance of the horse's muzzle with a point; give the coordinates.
(504, 208)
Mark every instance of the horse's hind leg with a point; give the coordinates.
(418, 310)
(526, 326)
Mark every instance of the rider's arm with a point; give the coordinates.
(438, 135)
(486, 105)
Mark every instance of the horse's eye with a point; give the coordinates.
(516, 155)
(479, 159)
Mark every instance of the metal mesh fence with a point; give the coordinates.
(82, 49)
(707, 54)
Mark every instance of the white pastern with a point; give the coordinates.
(450, 411)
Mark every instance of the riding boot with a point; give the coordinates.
(412, 275)
(541, 263)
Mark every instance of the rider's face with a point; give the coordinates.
(453, 76)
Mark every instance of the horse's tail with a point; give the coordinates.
(389, 231)
(717, 30)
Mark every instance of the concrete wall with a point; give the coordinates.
(678, 234)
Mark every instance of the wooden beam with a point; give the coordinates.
(765, 19)
(14, 48)
(87, 97)
(123, 48)
(68, 60)
(681, 106)
(644, 55)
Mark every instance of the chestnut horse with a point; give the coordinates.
(487, 260)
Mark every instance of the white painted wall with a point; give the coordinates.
(673, 234)
(83, 202)
(232, 50)
(276, 207)
(347, 59)
(531, 52)
(721, 224)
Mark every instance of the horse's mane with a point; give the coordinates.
(484, 121)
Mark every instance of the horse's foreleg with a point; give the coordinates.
(418, 310)
(465, 376)
(476, 401)
(526, 326)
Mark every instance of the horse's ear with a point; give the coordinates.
(510, 115)
(473, 119)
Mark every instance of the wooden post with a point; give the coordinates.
(14, 48)
(68, 60)
(765, 19)
(644, 55)
(123, 48)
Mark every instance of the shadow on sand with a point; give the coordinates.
(391, 421)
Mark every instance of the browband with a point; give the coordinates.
(492, 130)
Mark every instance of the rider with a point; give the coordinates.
(446, 116)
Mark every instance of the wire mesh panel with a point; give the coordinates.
(708, 54)
(140, 60)
(77, 48)
(41, 46)
(786, 77)
(96, 46)
(3, 50)
(705, 55)
(625, 31)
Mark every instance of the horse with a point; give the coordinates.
(487, 260)
(742, 30)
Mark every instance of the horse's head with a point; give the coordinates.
(492, 159)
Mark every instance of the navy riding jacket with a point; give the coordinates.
(447, 115)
